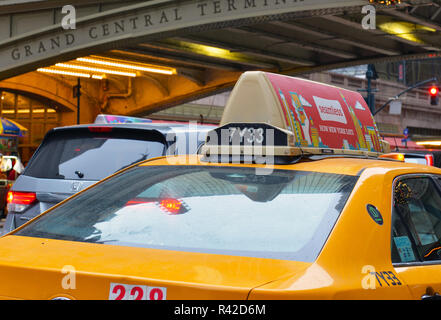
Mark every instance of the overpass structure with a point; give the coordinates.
(200, 47)
(209, 43)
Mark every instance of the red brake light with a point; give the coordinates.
(26, 198)
(138, 201)
(429, 159)
(100, 129)
(171, 205)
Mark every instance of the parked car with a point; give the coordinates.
(72, 158)
(427, 157)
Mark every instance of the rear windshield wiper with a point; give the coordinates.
(79, 174)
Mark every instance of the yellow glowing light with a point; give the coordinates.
(212, 51)
(168, 71)
(71, 73)
(404, 30)
(63, 72)
(429, 143)
(100, 70)
(208, 50)
(27, 111)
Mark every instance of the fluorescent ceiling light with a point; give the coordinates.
(27, 111)
(405, 30)
(210, 51)
(100, 70)
(63, 72)
(429, 143)
(108, 63)
(71, 73)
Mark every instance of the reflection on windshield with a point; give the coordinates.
(111, 156)
(85, 156)
(226, 210)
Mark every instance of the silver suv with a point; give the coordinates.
(72, 158)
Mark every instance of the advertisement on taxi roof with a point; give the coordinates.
(322, 116)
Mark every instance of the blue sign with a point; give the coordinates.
(406, 132)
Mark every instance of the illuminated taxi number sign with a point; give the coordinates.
(247, 134)
(119, 291)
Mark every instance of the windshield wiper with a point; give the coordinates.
(144, 157)
(79, 174)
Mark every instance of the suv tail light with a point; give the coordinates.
(429, 159)
(19, 201)
(100, 129)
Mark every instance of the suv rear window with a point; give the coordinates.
(415, 159)
(80, 154)
(285, 215)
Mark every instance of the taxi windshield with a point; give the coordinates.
(208, 209)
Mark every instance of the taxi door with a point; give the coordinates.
(416, 234)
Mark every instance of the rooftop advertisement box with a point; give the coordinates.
(318, 117)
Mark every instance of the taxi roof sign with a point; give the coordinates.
(109, 118)
(315, 118)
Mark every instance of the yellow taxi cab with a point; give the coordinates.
(287, 200)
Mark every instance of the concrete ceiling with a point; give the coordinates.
(212, 55)
(301, 44)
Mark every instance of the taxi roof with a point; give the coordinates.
(344, 165)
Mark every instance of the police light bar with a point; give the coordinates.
(107, 118)
(286, 116)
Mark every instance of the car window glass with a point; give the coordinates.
(403, 247)
(284, 215)
(416, 226)
(415, 160)
(91, 156)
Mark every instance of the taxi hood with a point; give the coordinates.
(36, 268)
